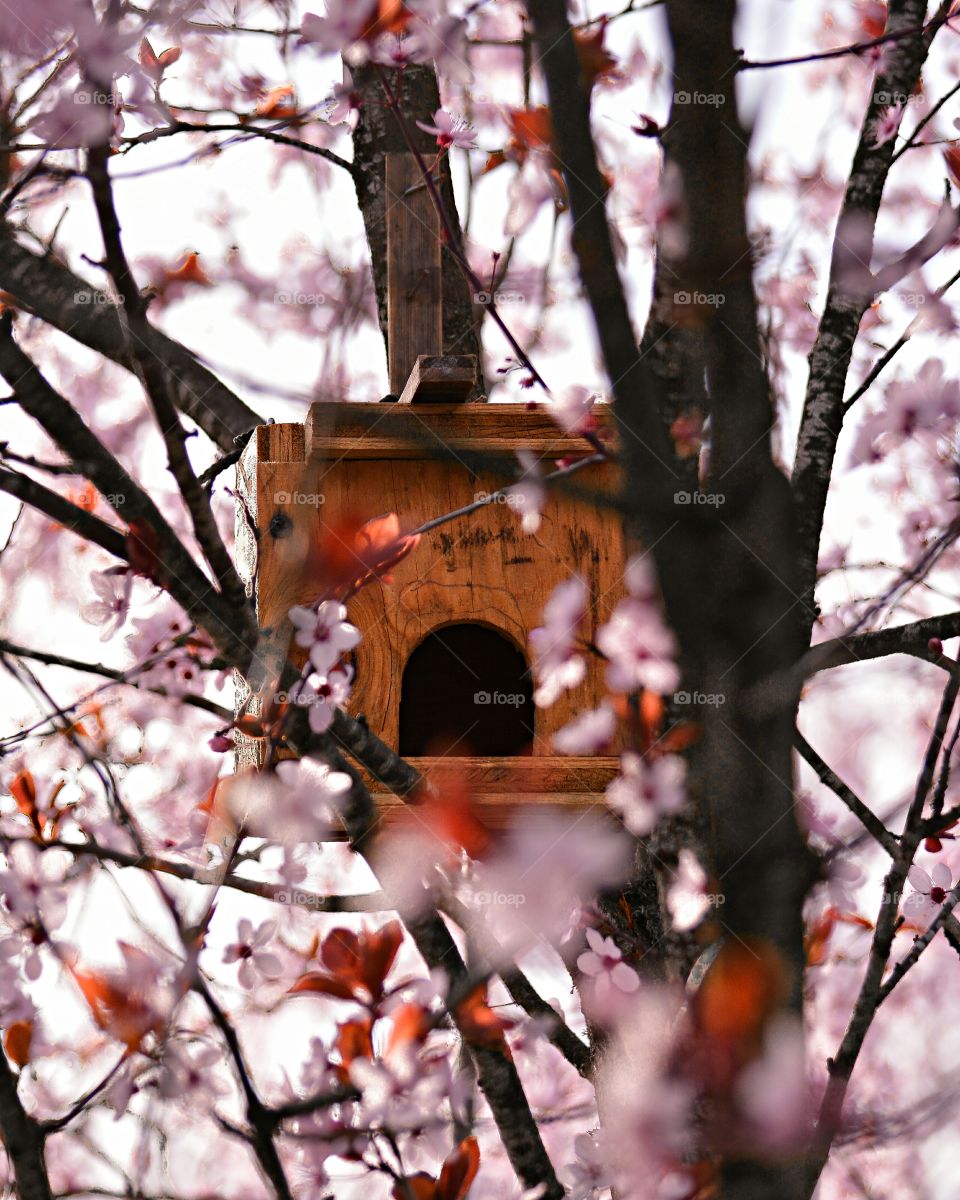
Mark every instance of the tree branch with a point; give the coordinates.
(42, 285)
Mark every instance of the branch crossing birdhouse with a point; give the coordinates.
(442, 673)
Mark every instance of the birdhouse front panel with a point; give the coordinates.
(443, 669)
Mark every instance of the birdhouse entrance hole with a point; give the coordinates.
(466, 690)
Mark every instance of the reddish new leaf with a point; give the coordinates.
(459, 1171)
(279, 102)
(17, 1041)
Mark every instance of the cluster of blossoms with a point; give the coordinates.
(170, 655)
(558, 663)
(327, 636)
(395, 34)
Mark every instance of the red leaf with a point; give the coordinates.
(416, 1187)
(952, 157)
(479, 1024)
(596, 62)
(354, 1040)
(188, 271)
(322, 984)
(17, 1040)
(532, 128)
(279, 102)
(411, 1023)
(24, 791)
(169, 56)
(149, 60)
(143, 547)
(391, 16)
(459, 1171)
(448, 810)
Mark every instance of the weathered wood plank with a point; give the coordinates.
(535, 778)
(343, 430)
(449, 378)
(414, 290)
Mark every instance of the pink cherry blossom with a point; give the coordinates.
(402, 1092)
(887, 125)
(587, 734)
(603, 962)
(645, 791)
(77, 119)
(573, 408)
(640, 648)
(773, 1089)
(592, 1170)
(298, 802)
(557, 665)
(929, 892)
(32, 885)
(323, 694)
(341, 25)
(529, 495)
(326, 631)
(248, 950)
(189, 1071)
(686, 898)
(450, 131)
(113, 601)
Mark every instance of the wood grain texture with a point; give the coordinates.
(481, 568)
(345, 430)
(414, 293)
(535, 777)
(447, 378)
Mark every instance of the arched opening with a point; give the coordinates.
(466, 690)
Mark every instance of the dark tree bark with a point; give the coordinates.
(22, 1140)
(727, 569)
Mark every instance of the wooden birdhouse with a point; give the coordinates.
(443, 669)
